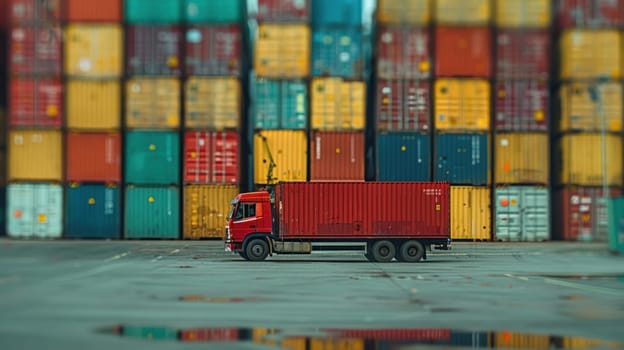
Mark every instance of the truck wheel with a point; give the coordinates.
(411, 251)
(383, 251)
(257, 249)
(243, 255)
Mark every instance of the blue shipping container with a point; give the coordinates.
(462, 159)
(93, 211)
(150, 11)
(279, 104)
(152, 212)
(339, 52)
(472, 340)
(213, 11)
(337, 12)
(404, 157)
(152, 157)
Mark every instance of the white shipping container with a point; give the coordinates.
(35, 210)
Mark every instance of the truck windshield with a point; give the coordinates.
(232, 210)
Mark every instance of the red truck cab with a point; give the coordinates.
(250, 214)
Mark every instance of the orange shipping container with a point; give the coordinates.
(463, 52)
(462, 104)
(205, 210)
(93, 10)
(93, 50)
(582, 159)
(93, 104)
(413, 12)
(35, 155)
(580, 112)
(338, 104)
(282, 51)
(521, 158)
(587, 54)
(153, 103)
(337, 156)
(93, 157)
(212, 103)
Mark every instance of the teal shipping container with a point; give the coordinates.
(34, 210)
(462, 159)
(403, 157)
(152, 157)
(278, 104)
(522, 213)
(149, 333)
(152, 212)
(616, 225)
(153, 11)
(213, 11)
(337, 12)
(339, 52)
(92, 211)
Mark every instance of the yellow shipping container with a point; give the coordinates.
(282, 51)
(212, 103)
(93, 50)
(459, 12)
(521, 158)
(93, 104)
(523, 13)
(336, 344)
(205, 210)
(580, 112)
(582, 159)
(513, 340)
(35, 155)
(587, 54)
(289, 149)
(462, 104)
(470, 213)
(579, 343)
(338, 104)
(153, 103)
(414, 12)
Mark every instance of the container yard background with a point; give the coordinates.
(141, 119)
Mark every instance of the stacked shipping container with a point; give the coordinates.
(4, 18)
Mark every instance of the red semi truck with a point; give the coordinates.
(384, 220)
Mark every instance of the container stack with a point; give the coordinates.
(278, 84)
(589, 129)
(463, 68)
(153, 45)
(34, 192)
(340, 71)
(521, 120)
(402, 90)
(93, 71)
(213, 65)
(4, 19)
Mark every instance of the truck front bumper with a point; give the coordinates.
(232, 246)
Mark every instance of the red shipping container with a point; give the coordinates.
(581, 213)
(283, 10)
(213, 50)
(522, 54)
(463, 52)
(211, 157)
(93, 10)
(36, 102)
(521, 105)
(590, 13)
(364, 209)
(209, 335)
(34, 11)
(403, 105)
(394, 334)
(337, 156)
(403, 53)
(36, 50)
(94, 157)
(153, 50)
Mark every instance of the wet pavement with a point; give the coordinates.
(172, 294)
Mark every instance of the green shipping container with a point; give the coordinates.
(152, 212)
(616, 225)
(213, 11)
(152, 158)
(279, 104)
(151, 11)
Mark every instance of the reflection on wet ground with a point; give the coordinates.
(362, 339)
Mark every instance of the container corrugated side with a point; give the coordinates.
(34, 11)
(153, 50)
(579, 110)
(278, 104)
(590, 13)
(152, 212)
(523, 53)
(336, 12)
(463, 51)
(514, 340)
(587, 54)
(463, 12)
(152, 157)
(205, 210)
(93, 50)
(521, 158)
(337, 156)
(35, 155)
(153, 103)
(36, 102)
(462, 104)
(616, 225)
(213, 50)
(385, 209)
(92, 211)
(212, 103)
(283, 10)
(213, 11)
(411, 12)
(339, 52)
(470, 213)
(522, 213)
(289, 150)
(150, 11)
(523, 13)
(3, 208)
(462, 159)
(403, 105)
(36, 50)
(581, 161)
(93, 11)
(404, 157)
(403, 53)
(211, 157)
(34, 210)
(282, 51)
(337, 104)
(93, 104)
(522, 105)
(94, 157)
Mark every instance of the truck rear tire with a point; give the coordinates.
(411, 251)
(383, 251)
(257, 249)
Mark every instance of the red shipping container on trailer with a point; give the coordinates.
(403, 53)
(153, 50)
(213, 50)
(521, 105)
(94, 157)
(211, 157)
(463, 52)
(403, 105)
(36, 102)
(93, 10)
(34, 11)
(337, 156)
(590, 13)
(283, 10)
(522, 54)
(36, 50)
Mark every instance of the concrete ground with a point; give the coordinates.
(156, 294)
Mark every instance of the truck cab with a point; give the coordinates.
(250, 218)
